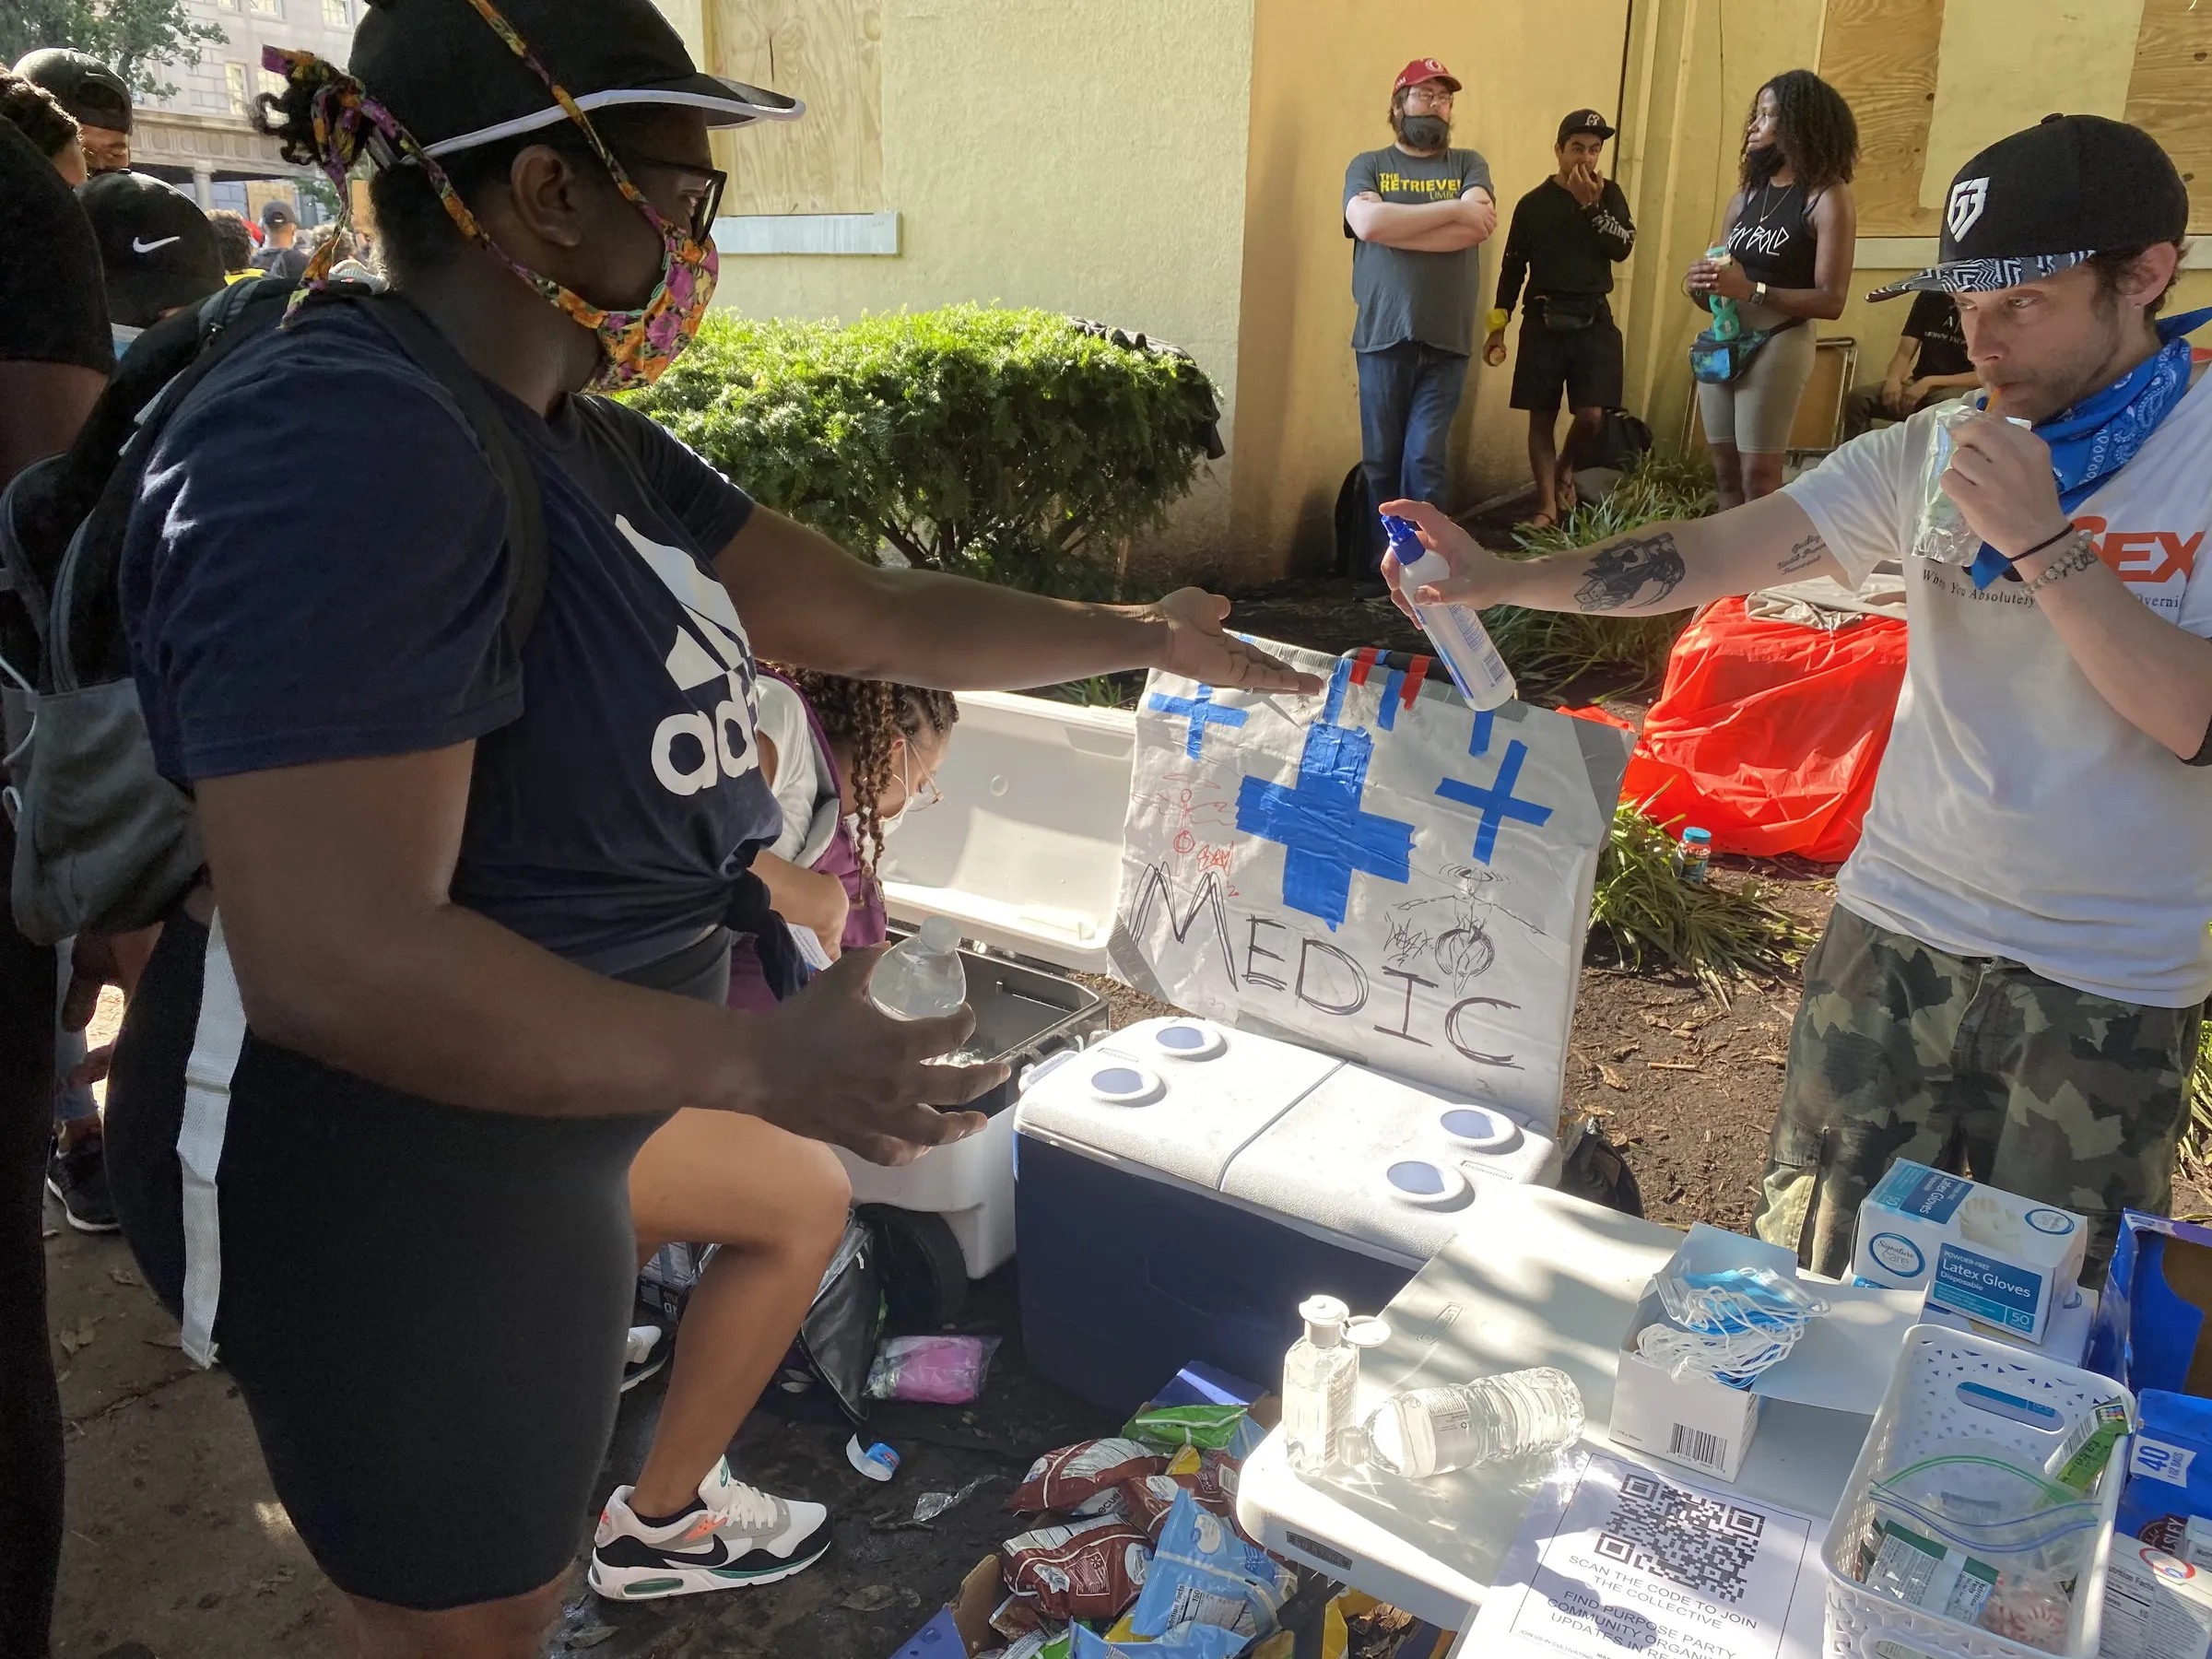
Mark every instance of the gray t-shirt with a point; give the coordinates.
(1403, 294)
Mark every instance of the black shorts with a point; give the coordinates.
(1586, 361)
(423, 1306)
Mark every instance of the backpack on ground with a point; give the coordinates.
(104, 844)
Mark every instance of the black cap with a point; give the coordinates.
(157, 248)
(2045, 199)
(275, 216)
(450, 79)
(82, 85)
(1583, 121)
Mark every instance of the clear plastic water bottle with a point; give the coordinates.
(1461, 640)
(1693, 855)
(1321, 1387)
(1432, 1430)
(921, 978)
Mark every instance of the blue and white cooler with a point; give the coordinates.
(1372, 903)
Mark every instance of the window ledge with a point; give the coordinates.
(866, 233)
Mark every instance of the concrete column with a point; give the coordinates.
(202, 188)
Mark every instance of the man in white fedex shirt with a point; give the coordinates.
(2012, 978)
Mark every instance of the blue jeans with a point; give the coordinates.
(1409, 395)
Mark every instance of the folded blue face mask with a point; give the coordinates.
(1730, 1327)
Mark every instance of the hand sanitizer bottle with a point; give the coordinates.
(1456, 631)
(1321, 1387)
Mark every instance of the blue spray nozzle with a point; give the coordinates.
(1403, 535)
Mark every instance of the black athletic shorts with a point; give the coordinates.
(424, 1307)
(1586, 361)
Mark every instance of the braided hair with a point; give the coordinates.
(1814, 132)
(865, 718)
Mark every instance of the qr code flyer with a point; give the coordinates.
(1618, 1559)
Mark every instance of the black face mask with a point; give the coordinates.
(1762, 162)
(1424, 132)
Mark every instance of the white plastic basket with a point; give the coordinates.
(1925, 1410)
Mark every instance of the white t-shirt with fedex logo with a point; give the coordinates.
(2017, 815)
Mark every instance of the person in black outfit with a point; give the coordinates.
(54, 358)
(1930, 366)
(465, 931)
(1567, 235)
(283, 256)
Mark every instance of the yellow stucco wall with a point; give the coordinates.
(1322, 74)
(1086, 156)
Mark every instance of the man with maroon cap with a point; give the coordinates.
(1415, 212)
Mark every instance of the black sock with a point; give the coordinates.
(656, 1522)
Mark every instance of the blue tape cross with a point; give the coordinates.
(1320, 823)
(1201, 710)
(1498, 803)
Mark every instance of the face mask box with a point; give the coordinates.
(1991, 1255)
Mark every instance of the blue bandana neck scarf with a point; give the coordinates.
(2101, 434)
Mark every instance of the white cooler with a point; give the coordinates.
(1183, 1186)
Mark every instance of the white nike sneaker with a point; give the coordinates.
(737, 1535)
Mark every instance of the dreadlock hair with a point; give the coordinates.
(37, 113)
(865, 718)
(415, 233)
(1814, 132)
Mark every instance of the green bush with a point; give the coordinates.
(1551, 649)
(1017, 446)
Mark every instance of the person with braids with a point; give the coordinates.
(848, 760)
(1790, 232)
(463, 940)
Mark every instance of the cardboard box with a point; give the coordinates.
(2152, 1324)
(1990, 1254)
(2156, 1607)
(2066, 1340)
(1841, 1363)
(962, 1626)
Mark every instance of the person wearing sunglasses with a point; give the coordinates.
(464, 935)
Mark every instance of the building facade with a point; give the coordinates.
(199, 135)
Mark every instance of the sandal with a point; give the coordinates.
(1540, 521)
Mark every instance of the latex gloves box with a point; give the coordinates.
(1841, 1363)
(1991, 1255)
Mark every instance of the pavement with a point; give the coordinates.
(177, 1547)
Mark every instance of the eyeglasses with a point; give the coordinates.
(1423, 99)
(703, 211)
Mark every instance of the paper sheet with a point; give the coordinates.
(1617, 1560)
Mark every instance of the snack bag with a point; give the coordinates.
(1066, 1480)
(1091, 1569)
(1222, 1428)
(1204, 1573)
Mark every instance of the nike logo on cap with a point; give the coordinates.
(147, 247)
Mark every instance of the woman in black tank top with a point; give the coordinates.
(1789, 232)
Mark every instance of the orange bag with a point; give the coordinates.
(1769, 733)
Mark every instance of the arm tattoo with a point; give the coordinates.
(1807, 552)
(1618, 577)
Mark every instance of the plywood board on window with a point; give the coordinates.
(2169, 95)
(826, 53)
(1883, 56)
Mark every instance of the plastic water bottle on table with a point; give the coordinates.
(1434, 1431)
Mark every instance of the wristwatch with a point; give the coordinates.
(1758, 293)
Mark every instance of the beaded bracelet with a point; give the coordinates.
(2083, 556)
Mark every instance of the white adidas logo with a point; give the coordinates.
(693, 751)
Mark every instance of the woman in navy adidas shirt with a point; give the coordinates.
(473, 876)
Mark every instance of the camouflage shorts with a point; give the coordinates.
(1973, 1065)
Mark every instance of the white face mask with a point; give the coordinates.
(906, 801)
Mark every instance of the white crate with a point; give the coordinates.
(1923, 1412)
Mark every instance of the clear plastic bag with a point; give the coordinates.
(1979, 1537)
(936, 1370)
(1941, 535)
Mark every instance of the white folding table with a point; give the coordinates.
(1535, 1278)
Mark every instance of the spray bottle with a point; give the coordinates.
(1455, 630)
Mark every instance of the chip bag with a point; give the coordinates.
(1204, 1573)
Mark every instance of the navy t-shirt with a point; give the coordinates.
(315, 571)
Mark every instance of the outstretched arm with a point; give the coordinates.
(1662, 567)
(804, 600)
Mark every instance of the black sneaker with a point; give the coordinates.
(79, 1179)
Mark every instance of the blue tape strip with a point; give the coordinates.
(1497, 803)
(1319, 823)
(1333, 709)
(1201, 710)
(1486, 720)
(1393, 688)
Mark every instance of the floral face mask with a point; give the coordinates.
(635, 347)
